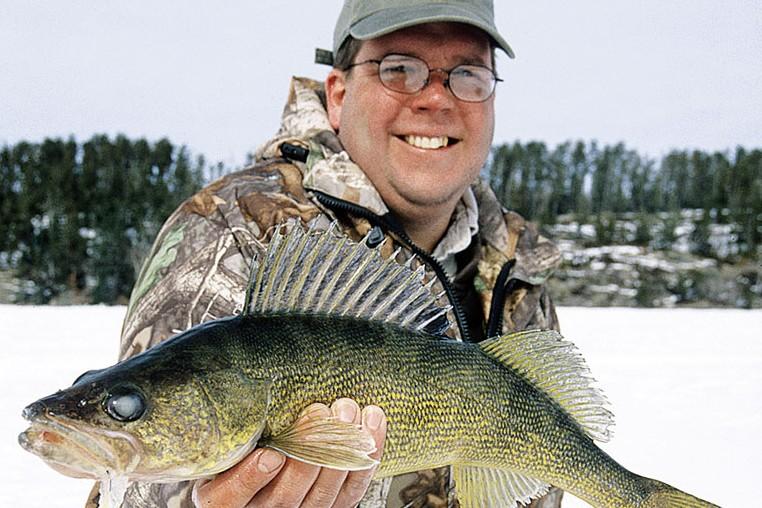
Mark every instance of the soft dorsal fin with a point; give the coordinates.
(323, 272)
(556, 366)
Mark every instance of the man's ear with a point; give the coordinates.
(335, 89)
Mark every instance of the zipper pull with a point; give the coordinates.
(375, 237)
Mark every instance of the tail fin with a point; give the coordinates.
(666, 496)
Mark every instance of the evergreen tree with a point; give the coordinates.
(558, 186)
(501, 171)
(577, 175)
(675, 178)
(721, 170)
(746, 199)
(641, 192)
(77, 216)
(9, 212)
(602, 169)
(642, 229)
(701, 234)
(700, 184)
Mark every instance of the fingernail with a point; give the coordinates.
(316, 411)
(346, 411)
(373, 417)
(269, 461)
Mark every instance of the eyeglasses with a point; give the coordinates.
(409, 75)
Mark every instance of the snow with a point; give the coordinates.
(623, 257)
(685, 386)
(686, 390)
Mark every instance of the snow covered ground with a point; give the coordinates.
(685, 386)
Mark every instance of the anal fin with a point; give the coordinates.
(481, 487)
(327, 442)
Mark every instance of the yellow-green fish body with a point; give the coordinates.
(511, 414)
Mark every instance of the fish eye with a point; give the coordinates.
(125, 404)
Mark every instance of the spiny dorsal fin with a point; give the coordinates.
(556, 366)
(324, 272)
(493, 488)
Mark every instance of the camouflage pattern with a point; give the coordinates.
(198, 267)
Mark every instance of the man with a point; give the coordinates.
(392, 145)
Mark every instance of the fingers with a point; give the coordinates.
(294, 479)
(289, 487)
(267, 478)
(329, 481)
(236, 486)
(356, 483)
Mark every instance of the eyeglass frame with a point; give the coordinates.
(427, 81)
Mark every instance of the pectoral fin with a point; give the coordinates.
(326, 441)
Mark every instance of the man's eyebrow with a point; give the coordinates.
(471, 59)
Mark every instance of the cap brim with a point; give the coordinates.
(390, 20)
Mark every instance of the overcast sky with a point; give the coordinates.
(655, 74)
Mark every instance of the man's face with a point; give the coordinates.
(378, 127)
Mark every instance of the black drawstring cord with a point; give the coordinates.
(495, 321)
(387, 223)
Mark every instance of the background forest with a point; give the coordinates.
(683, 230)
(76, 219)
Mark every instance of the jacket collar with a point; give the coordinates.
(330, 170)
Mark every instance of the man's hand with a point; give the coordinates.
(267, 478)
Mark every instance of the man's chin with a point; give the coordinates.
(422, 196)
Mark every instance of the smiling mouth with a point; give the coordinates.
(429, 143)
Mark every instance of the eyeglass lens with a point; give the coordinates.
(406, 74)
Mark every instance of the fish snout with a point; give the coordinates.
(33, 411)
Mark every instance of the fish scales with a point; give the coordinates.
(512, 414)
(445, 401)
(423, 388)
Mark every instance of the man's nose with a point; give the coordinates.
(436, 94)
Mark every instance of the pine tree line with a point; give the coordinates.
(81, 216)
(594, 182)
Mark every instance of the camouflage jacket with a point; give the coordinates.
(199, 264)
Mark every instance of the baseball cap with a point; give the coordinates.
(368, 19)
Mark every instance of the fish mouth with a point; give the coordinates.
(78, 449)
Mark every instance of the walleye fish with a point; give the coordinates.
(326, 318)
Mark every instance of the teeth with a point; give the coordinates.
(427, 143)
